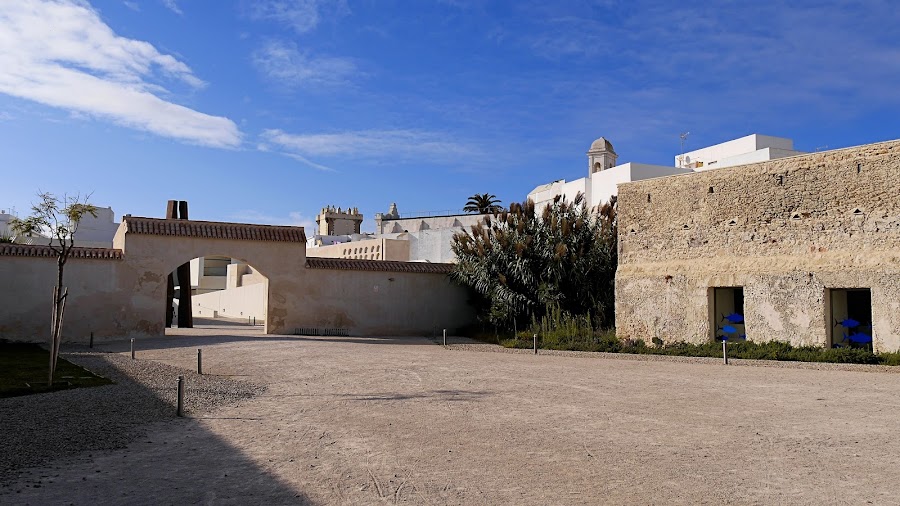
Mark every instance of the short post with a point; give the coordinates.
(254, 321)
(535, 344)
(725, 351)
(179, 407)
(132, 349)
(248, 320)
(91, 343)
(445, 337)
(200, 361)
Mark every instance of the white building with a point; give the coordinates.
(603, 178)
(750, 149)
(408, 239)
(92, 232)
(604, 175)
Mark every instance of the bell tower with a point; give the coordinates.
(601, 156)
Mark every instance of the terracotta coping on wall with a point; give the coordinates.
(213, 230)
(345, 264)
(41, 250)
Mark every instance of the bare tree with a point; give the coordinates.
(59, 217)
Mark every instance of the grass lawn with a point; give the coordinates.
(23, 371)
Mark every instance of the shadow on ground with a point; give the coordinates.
(123, 444)
(189, 338)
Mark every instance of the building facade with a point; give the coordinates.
(804, 249)
(604, 176)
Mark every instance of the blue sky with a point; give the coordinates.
(272, 109)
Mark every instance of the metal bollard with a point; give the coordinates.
(725, 351)
(445, 337)
(179, 408)
(248, 320)
(535, 344)
(254, 321)
(200, 362)
(91, 344)
(132, 349)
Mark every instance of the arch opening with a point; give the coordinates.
(222, 291)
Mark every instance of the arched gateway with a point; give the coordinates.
(121, 292)
(155, 247)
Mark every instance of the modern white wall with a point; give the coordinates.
(97, 232)
(748, 149)
(601, 185)
(239, 302)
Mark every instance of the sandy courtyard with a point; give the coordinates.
(371, 421)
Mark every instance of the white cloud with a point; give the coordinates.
(60, 53)
(392, 145)
(283, 63)
(300, 15)
(172, 5)
(132, 5)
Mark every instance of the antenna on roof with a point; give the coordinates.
(684, 136)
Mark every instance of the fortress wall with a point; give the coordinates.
(787, 231)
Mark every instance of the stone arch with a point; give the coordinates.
(238, 283)
(155, 247)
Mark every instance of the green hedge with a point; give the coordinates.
(772, 350)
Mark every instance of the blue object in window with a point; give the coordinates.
(728, 329)
(860, 337)
(735, 318)
(849, 323)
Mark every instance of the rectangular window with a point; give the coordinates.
(727, 315)
(851, 317)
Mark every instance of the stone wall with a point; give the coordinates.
(120, 293)
(93, 303)
(786, 230)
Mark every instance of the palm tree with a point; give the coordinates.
(483, 203)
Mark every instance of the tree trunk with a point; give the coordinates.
(59, 320)
(53, 333)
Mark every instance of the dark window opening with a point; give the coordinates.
(851, 318)
(728, 314)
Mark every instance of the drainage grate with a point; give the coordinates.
(310, 331)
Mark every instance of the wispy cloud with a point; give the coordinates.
(172, 5)
(785, 53)
(300, 15)
(132, 5)
(284, 64)
(61, 53)
(372, 145)
(293, 218)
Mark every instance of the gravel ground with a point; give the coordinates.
(349, 420)
(107, 417)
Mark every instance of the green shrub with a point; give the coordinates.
(558, 331)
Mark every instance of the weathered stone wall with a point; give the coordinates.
(786, 230)
(382, 303)
(93, 303)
